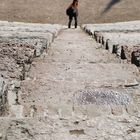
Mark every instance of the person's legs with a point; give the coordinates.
(70, 20)
(75, 17)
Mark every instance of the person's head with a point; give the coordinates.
(75, 2)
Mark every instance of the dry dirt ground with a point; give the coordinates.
(53, 11)
(78, 91)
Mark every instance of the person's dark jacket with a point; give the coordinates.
(72, 10)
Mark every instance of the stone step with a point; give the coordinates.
(89, 103)
(29, 35)
(30, 27)
(73, 128)
(57, 95)
(132, 26)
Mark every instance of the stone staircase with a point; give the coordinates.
(120, 38)
(61, 84)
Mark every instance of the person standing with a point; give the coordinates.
(72, 12)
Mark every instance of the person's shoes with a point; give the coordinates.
(75, 26)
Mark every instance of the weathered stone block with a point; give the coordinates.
(3, 96)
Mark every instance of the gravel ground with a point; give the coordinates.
(90, 11)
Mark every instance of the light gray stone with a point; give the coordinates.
(0, 135)
(31, 27)
(120, 26)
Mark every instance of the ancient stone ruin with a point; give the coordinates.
(64, 84)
